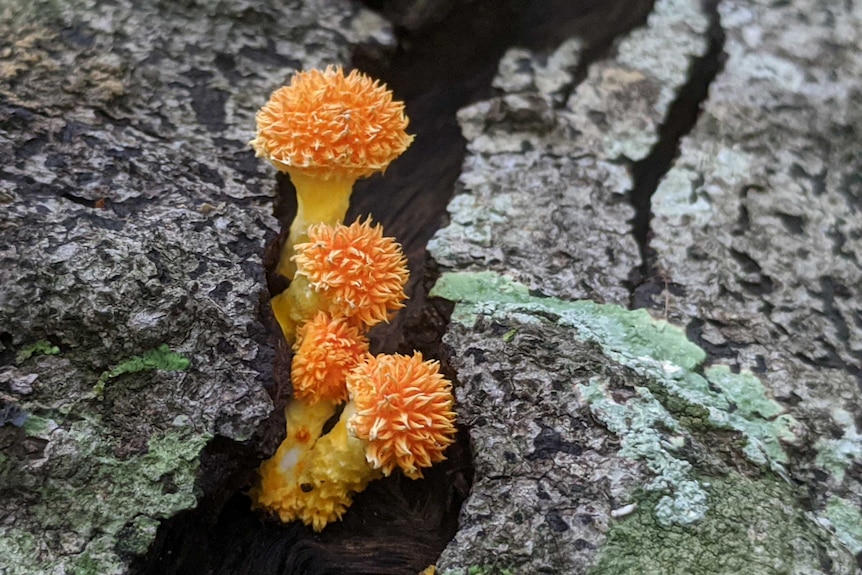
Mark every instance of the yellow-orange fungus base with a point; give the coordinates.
(403, 410)
(326, 350)
(282, 474)
(318, 488)
(359, 273)
(327, 124)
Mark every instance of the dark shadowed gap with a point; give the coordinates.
(446, 58)
(647, 281)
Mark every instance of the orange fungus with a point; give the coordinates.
(326, 350)
(359, 273)
(403, 410)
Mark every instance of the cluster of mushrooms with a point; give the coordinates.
(326, 130)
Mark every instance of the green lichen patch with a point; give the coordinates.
(675, 401)
(846, 519)
(630, 333)
(760, 419)
(752, 526)
(42, 347)
(654, 349)
(40, 427)
(160, 358)
(637, 422)
(105, 507)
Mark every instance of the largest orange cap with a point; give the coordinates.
(326, 124)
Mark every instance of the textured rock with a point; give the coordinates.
(582, 413)
(609, 442)
(132, 228)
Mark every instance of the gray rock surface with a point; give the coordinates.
(609, 441)
(759, 225)
(132, 224)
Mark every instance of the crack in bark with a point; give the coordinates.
(681, 119)
(222, 535)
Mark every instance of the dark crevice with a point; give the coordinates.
(7, 352)
(441, 64)
(603, 46)
(727, 351)
(830, 289)
(647, 173)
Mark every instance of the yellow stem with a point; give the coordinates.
(315, 485)
(295, 306)
(318, 201)
(280, 473)
(335, 469)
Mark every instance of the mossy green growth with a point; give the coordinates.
(42, 347)
(119, 510)
(159, 358)
(752, 526)
(658, 351)
(510, 335)
(40, 427)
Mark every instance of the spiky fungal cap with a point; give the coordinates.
(329, 125)
(403, 410)
(326, 349)
(359, 273)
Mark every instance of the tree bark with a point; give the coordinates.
(605, 439)
(134, 216)
(654, 254)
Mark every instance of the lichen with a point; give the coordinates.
(159, 358)
(836, 455)
(478, 570)
(752, 526)
(675, 397)
(117, 513)
(652, 348)
(636, 422)
(846, 519)
(40, 427)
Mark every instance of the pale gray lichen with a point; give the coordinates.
(667, 361)
(846, 519)
(636, 422)
(836, 455)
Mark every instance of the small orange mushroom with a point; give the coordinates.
(326, 350)
(403, 410)
(326, 130)
(400, 415)
(348, 271)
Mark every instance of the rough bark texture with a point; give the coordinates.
(715, 432)
(607, 440)
(133, 217)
